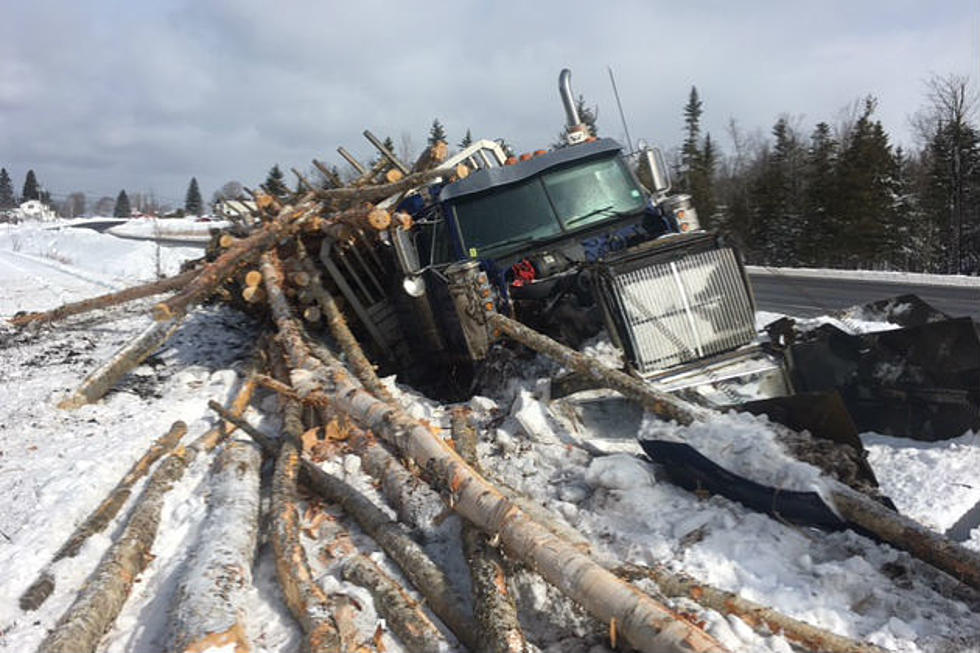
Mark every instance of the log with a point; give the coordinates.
(241, 253)
(379, 219)
(431, 157)
(311, 314)
(105, 592)
(208, 609)
(253, 294)
(253, 278)
(105, 301)
(104, 377)
(901, 532)
(96, 522)
(759, 617)
(657, 402)
(414, 562)
(402, 614)
(493, 603)
(644, 622)
(226, 240)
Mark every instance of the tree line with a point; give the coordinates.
(842, 195)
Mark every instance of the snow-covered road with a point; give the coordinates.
(55, 466)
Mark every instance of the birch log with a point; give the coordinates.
(644, 622)
(493, 602)
(40, 589)
(403, 614)
(105, 301)
(901, 532)
(103, 378)
(101, 598)
(757, 616)
(307, 601)
(209, 604)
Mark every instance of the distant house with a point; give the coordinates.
(34, 210)
(233, 208)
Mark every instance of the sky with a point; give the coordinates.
(104, 95)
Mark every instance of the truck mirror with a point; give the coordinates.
(656, 167)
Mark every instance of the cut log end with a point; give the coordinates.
(253, 278)
(379, 219)
(394, 175)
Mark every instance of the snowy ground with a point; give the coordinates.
(55, 466)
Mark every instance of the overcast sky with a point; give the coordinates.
(144, 94)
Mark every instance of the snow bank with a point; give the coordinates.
(170, 228)
(905, 278)
(96, 255)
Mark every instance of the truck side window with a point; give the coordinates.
(432, 242)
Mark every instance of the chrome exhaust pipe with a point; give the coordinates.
(567, 99)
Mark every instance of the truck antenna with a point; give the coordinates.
(619, 104)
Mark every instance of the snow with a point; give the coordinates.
(55, 467)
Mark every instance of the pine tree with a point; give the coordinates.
(193, 204)
(31, 191)
(122, 209)
(821, 227)
(437, 133)
(275, 182)
(690, 150)
(7, 200)
(467, 140)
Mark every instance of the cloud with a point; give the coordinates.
(146, 95)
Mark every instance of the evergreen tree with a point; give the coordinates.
(31, 191)
(122, 209)
(820, 227)
(193, 204)
(437, 133)
(865, 184)
(690, 150)
(467, 140)
(777, 199)
(275, 182)
(7, 200)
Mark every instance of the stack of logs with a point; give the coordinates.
(330, 409)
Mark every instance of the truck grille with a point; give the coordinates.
(681, 310)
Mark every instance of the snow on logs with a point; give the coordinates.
(208, 610)
(105, 592)
(643, 622)
(96, 522)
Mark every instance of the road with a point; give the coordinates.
(806, 296)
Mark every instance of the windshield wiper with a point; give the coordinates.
(606, 209)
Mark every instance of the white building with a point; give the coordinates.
(34, 210)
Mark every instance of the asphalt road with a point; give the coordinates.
(784, 292)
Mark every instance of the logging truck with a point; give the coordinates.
(567, 241)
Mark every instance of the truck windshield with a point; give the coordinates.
(544, 206)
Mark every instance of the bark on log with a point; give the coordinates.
(40, 589)
(493, 602)
(910, 536)
(403, 614)
(100, 381)
(645, 623)
(101, 598)
(306, 600)
(431, 157)
(208, 607)
(105, 301)
(759, 617)
(901, 532)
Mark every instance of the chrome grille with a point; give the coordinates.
(682, 310)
